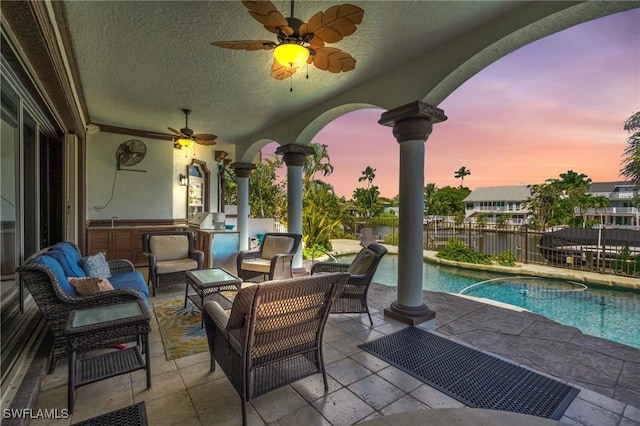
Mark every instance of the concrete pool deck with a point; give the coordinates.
(608, 368)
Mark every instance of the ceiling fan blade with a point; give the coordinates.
(176, 132)
(333, 60)
(267, 14)
(206, 142)
(246, 44)
(316, 42)
(280, 72)
(334, 24)
(201, 137)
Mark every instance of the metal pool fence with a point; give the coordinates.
(605, 250)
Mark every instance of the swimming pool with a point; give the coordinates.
(602, 312)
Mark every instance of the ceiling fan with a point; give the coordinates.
(300, 42)
(186, 135)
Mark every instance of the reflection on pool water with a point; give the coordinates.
(602, 312)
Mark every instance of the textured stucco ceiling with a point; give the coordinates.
(141, 62)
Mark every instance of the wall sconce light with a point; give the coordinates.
(183, 180)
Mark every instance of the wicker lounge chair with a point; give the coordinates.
(353, 298)
(273, 334)
(170, 255)
(273, 260)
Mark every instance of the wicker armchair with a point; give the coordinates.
(55, 304)
(353, 298)
(171, 255)
(273, 260)
(273, 334)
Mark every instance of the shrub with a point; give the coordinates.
(316, 251)
(625, 263)
(506, 258)
(457, 250)
(391, 239)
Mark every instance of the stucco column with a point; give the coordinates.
(294, 156)
(242, 172)
(412, 124)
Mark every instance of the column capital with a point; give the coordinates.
(242, 169)
(294, 154)
(412, 121)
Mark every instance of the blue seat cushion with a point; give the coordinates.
(69, 259)
(57, 270)
(133, 280)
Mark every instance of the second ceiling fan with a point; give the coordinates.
(186, 134)
(300, 42)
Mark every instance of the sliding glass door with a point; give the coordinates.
(31, 213)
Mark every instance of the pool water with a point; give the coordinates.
(602, 312)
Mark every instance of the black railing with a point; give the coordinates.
(604, 250)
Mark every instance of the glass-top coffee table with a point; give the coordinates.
(206, 282)
(101, 326)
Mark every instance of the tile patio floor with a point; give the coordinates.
(362, 387)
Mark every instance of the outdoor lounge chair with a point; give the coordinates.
(353, 298)
(170, 255)
(272, 260)
(273, 334)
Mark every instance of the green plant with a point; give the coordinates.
(316, 250)
(458, 251)
(623, 262)
(385, 219)
(391, 239)
(506, 258)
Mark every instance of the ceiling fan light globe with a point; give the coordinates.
(184, 142)
(291, 54)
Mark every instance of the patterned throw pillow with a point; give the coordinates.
(88, 286)
(96, 266)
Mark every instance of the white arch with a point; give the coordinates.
(436, 73)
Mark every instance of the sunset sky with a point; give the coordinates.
(554, 105)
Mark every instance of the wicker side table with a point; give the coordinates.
(99, 327)
(207, 282)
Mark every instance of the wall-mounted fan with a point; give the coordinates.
(130, 153)
(300, 42)
(186, 134)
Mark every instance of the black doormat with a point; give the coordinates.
(133, 415)
(472, 377)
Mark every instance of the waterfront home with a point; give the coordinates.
(494, 202)
(621, 209)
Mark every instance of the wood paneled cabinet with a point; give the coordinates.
(115, 243)
(124, 242)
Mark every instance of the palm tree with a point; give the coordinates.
(461, 173)
(429, 192)
(371, 194)
(575, 184)
(631, 155)
(600, 202)
(368, 174)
